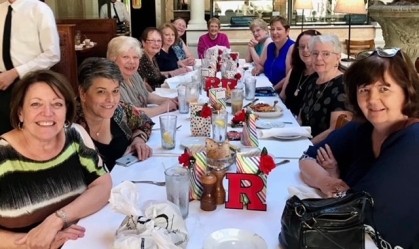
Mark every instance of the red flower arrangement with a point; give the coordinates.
(239, 118)
(267, 163)
(205, 112)
(234, 56)
(237, 76)
(186, 159)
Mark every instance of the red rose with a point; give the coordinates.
(184, 159)
(220, 51)
(206, 111)
(234, 56)
(240, 117)
(238, 76)
(267, 163)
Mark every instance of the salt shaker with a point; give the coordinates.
(219, 192)
(208, 202)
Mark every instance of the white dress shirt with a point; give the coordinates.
(35, 42)
(120, 8)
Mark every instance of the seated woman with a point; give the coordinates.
(125, 51)
(261, 40)
(166, 58)
(151, 39)
(51, 175)
(379, 152)
(213, 38)
(275, 60)
(301, 72)
(181, 49)
(324, 98)
(115, 127)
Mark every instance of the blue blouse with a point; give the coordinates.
(275, 67)
(180, 52)
(391, 178)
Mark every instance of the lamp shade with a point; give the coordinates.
(350, 6)
(303, 4)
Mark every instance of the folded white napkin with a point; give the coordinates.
(304, 131)
(174, 82)
(166, 92)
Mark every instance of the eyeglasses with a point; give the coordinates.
(381, 52)
(153, 41)
(324, 54)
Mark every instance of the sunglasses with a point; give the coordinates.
(381, 52)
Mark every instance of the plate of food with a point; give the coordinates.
(266, 110)
(232, 238)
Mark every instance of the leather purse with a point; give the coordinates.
(325, 223)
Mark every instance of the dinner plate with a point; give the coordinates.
(263, 124)
(288, 137)
(189, 141)
(277, 113)
(233, 238)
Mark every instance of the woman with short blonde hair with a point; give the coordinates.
(260, 40)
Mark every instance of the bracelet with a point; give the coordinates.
(61, 214)
(142, 136)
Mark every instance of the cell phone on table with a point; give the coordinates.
(128, 159)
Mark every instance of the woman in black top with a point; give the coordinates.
(166, 58)
(300, 73)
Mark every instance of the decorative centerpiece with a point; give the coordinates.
(249, 134)
(201, 120)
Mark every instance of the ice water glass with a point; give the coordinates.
(177, 188)
(219, 126)
(249, 88)
(168, 131)
(236, 100)
(193, 91)
(182, 99)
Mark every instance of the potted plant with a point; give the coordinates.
(399, 21)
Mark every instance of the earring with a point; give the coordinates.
(20, 125)
(67, 124)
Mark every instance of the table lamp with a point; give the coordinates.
(303, 4)
(350, 7)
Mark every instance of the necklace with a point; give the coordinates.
(100, 128)
(300, 86)
(319, 94)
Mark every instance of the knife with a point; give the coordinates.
(251, 103)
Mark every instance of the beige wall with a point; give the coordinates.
(2, 1)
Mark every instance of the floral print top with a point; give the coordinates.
(150, 72)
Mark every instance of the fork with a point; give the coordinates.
(151, 182)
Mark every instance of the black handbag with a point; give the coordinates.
(325, 223)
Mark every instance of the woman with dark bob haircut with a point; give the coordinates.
(378, 151)
(50, 173)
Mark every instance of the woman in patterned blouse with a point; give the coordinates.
(181, 49)
(115, 127)
(151, 40)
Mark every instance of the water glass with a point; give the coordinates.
(249, 88)
(236, 101)
(182, 99)
(177, 188)
(219, 126)
(193, 91)
(168, 131)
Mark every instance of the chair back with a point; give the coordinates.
(358, 46)
(67, 65)
(341, 121)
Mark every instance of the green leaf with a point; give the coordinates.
(264, 151)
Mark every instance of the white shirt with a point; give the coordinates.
(34, 38)
(120, 8)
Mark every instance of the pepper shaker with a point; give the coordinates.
(219, 191)
(208, 202)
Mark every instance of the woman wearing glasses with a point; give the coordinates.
(324, 98)
(275, 60)
(301, 73)
(260, 40)
(151, 40)
(378, 151)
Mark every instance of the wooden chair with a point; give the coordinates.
(358, 46)
(342, 120)
(67, 65)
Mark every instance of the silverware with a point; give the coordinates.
(151, 182)
(287, 122)
(282, 162)
(251, 103)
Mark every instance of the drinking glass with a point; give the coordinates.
(193, 91)
(182, 99)
(177, 188)
(168, 131)
(219, 126)
(236, 101)
(249, 88)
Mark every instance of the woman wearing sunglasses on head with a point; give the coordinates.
(324, 98)
(378, 151)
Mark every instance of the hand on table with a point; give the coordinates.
(332, 186)
(256, 70)
(72, 232)
(190, 61)
(169, 104)
(139, 146)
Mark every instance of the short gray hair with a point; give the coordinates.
(326, 39)
(97, 67)
(122, 44)
(258, 22)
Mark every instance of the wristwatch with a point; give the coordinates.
(61, 214)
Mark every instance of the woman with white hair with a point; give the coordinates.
(324, 98)
(125, 51)
(260, 40)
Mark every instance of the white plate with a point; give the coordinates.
(263, 124)
(288, 137)
(189, 141)
(233, 238)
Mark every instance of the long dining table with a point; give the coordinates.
(101, 226)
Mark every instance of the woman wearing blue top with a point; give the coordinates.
(276, 59)
(260, 40)
(377, 153)
(181, 49)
